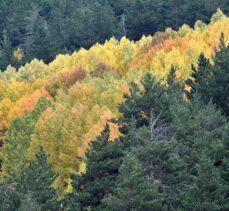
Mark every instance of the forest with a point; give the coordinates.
(114, 105)
(44, 28)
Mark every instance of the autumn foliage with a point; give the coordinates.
(86, 87)
(64, 80)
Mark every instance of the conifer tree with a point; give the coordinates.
(103, 160)
(6, 51)
(211, 81)
(28, 203)
(35, 183)
(206, 190)
(32, 189)
(9, 197)
(139, 103)
(135, 189)
(200, 78)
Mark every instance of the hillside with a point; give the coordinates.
(66, 104)
(44, 28)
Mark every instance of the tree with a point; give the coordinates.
(139, 104)
(32, 189)
(165, 166)
(14, 155)
(211, 81)
(28, 203)
(94, 21)
(6, 51)
(35, 183)
(39, 39)
(103, 160)
(135, 190)
(201, 131)
(175, 160)
(206, 191)
(200, 78)
(9, 197)
(142, 18)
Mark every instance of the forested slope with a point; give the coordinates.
(161, 104)
(44, 28)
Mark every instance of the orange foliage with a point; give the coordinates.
(64, 80)
(31, 101)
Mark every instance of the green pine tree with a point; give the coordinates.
(6, 51)
(103, 159)
(29, 204)
(35, 184)
(206, 190)
(9, 197)
(139, 103)
(135, 190)
(211, 81)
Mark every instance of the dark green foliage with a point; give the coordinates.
(38, 191)
(206, 190)
(186, 157)
(175, 86)
(94, 21)
(32, 188)
(161, 163)
(103, 161)
(28, 203)
(6, 51)
(135, 189)
(211, 81)
(39, 42)
(142, 16)
(139, 104)
(9, 198)
(220, 83)
(45, 28)
(194, 120)
(200, 78)
(200, 130)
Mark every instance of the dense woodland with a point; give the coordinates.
(119, 126)
(44, 28)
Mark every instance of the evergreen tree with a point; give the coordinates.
(206, 190)
(94, 21)
(35, 183)
(9, 197)
(152, 145)
(198, 127)
(200, 78)
(139, 104)
(200, 130)
(39, 40)
(174, 159)
(6, 51)
(211, 81)
(219, 89)
(142, 18)
(103, 160)
(28, 203)
(135, 189)
(225, 172)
